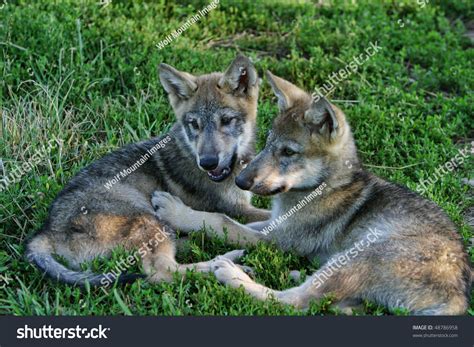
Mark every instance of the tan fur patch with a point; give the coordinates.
(110, 228)
(41, 244)
(146, 228)
(340, 197)
(114, 229)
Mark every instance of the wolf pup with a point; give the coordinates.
(377, 240)
(107, 204)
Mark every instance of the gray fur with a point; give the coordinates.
(377, 240)
(91, 216)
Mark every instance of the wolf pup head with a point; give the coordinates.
(217, 113)
(310, 142)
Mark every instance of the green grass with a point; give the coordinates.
(86, 74)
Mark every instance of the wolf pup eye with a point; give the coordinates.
(288, 152)
(194, 124)
(226, 120)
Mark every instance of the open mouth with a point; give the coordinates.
(268, 192)
(219, 175)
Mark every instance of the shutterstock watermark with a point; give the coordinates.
(422, 3)
(48, 332)
(337, 77)
(131, 260)
(15, 175)
(192, 20)
(302, 203)
(336, 263)
(449, 166)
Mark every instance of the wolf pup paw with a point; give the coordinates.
(170, 209)
(229, 273)
(235, 256)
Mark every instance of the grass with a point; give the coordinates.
(86, 74)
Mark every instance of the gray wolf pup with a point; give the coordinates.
(377, 240)
(107, 204)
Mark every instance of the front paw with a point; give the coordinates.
(169, 208)
(229, 273)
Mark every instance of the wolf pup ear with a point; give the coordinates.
(322, 118)
(240, 76)
(177, 83)
(287, 93)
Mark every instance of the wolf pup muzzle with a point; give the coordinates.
(220, 173)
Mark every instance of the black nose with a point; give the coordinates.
(209, 162)
(243, 183)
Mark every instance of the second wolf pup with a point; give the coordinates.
(377, 240)
(197, 160)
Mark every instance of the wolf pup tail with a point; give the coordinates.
(39, 252)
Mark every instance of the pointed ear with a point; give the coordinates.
(181, 84)
(286, 92)
(240, 77)
(322, 118)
